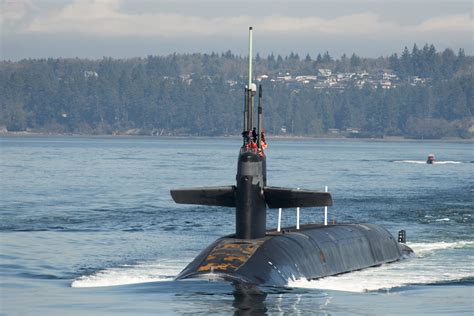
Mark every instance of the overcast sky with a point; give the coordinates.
(121, 28)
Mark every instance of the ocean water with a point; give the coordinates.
(87, 225)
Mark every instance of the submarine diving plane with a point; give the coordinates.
(257, 256)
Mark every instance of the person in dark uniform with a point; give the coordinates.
(254, 135)
(245, 135)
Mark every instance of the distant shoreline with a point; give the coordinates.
(270, 136)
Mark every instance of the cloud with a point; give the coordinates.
(105, 18)
(348, 24)
(15, 11)
(452, 23)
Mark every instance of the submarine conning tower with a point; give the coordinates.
(251, 209)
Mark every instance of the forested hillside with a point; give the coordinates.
(420, 93)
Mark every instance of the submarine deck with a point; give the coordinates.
(311, 252)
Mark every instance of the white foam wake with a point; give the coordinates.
(422, 249)
(411, 161)
(163, 270)
(427, 267)
(423, 162)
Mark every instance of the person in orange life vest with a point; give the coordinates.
(262, 139)
(253, 145)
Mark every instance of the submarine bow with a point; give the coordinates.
(312, 252)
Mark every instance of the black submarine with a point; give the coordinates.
(257, 256)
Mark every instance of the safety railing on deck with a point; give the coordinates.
(298, 215)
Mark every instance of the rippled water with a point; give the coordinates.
(87, 225)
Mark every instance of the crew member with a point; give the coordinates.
(262, 139)
(245, 135)
(254, 135)
(253, 146)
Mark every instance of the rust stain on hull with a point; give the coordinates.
(229, 255)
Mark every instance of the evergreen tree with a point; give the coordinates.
(195, 93)
(355, 62)
(327, 58)
(406, 66)
(394, 63)
(319, 59)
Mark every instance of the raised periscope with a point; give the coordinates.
(256, 256)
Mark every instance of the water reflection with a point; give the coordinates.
(252, 300)
(249, 300)
(217, 297)
(198, 297)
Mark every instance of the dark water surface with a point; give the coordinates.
(87, 225)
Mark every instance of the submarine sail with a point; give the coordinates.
(256, 255)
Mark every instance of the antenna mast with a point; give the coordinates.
(250, 91)
(250, 57)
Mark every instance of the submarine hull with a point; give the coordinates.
(314, 251)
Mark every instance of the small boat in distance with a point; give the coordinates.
(431, 159)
